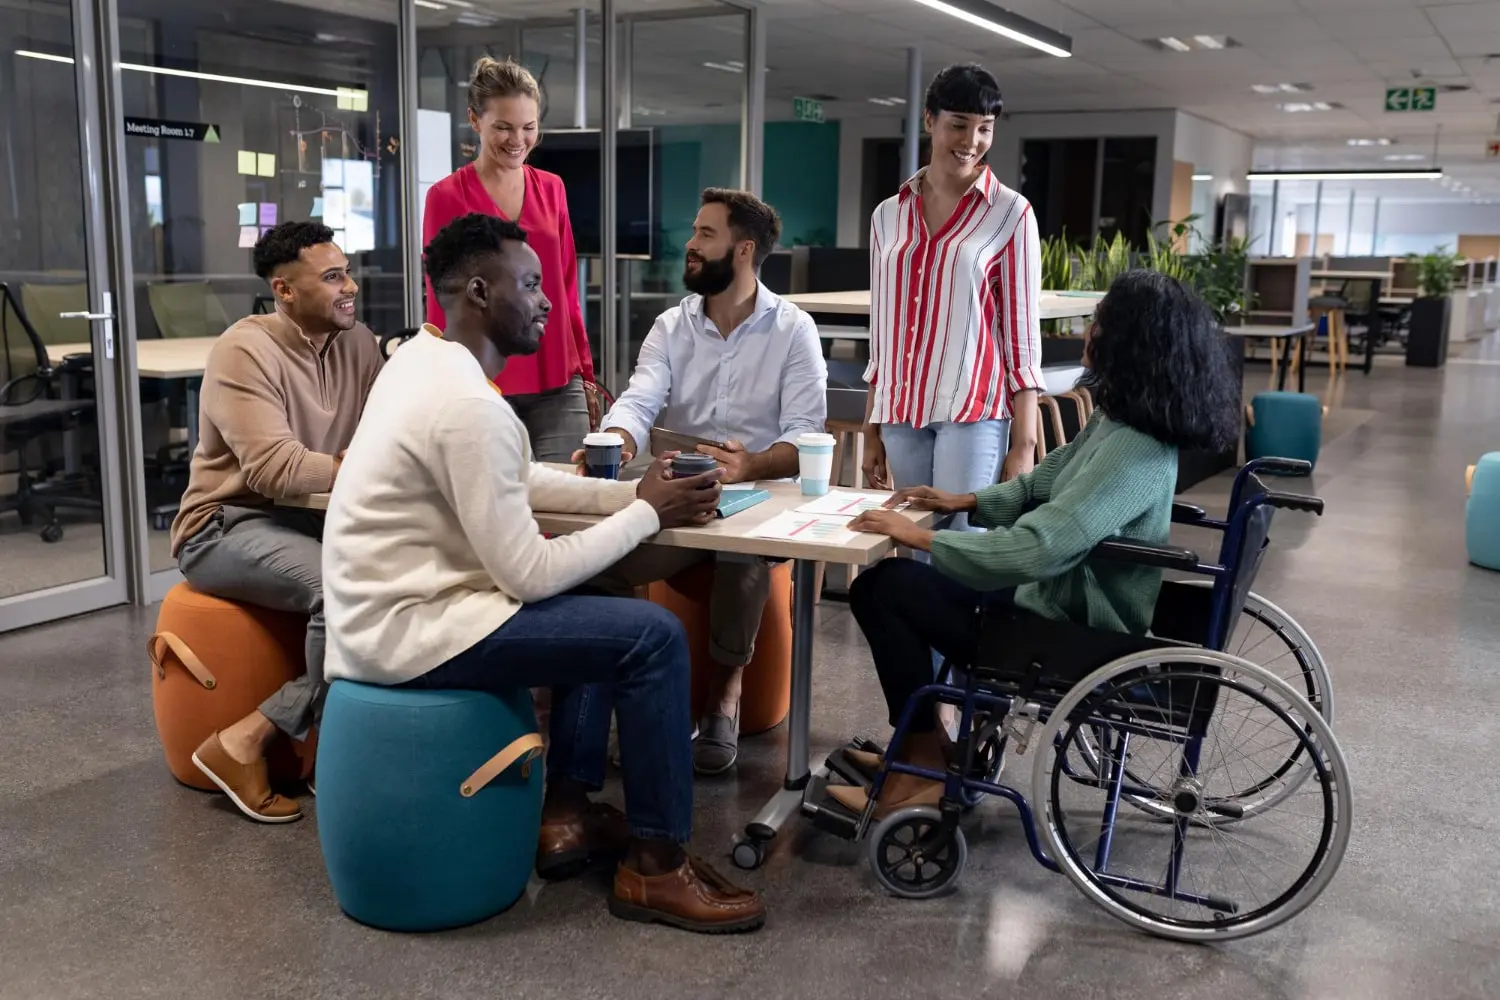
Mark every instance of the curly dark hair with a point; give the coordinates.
(453, 252)
(749, 219)
(283, 244)
(1160, 363)
(965, 89)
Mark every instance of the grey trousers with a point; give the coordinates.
(556, 420)
(741, 586)
(271, 557)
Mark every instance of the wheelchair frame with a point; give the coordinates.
(1013, 698)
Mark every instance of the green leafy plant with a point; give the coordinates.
(1216, 272)
(1059, 272)
(1435, 272)
(1103, 263)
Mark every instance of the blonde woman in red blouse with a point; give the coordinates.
(547, 389)
(955, 288)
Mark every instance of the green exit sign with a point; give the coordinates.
(805, 109)
(1410, 98)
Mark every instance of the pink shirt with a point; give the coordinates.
(544, 216)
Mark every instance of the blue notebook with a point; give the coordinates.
(732, 500)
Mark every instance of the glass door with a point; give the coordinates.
(62, 541)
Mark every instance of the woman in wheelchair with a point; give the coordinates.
(1159, 371)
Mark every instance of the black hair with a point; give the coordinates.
(283, 244)
(1159, 362)
(749, 219)
(965, 89)
(451, 256)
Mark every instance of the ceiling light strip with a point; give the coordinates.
(1003, 22)
(243, 81)
(1346, 175)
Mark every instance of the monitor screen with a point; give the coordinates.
(573, 154)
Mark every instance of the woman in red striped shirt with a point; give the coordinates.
(955, 335)
(547, 389)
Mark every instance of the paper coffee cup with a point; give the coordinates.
(601, 455)
(815, 463)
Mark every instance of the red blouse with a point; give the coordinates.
(544, 215)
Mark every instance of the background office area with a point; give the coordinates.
(1314, 144)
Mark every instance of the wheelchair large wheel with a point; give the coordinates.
(913, 856)
(1270, 638)
(1191, 722)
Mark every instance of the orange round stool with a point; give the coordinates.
(767, 691)
(213, 662)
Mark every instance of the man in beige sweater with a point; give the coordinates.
(282, 394)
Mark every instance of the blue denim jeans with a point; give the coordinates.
(597, 653)
(958, 458)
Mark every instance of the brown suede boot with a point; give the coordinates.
(247, 785)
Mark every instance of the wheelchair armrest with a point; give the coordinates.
(1164, 556)
(1293, 501)
(1187, 513)
(1280, 466)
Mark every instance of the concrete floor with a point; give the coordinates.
(116, 882)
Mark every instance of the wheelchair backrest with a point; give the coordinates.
(1244, 545)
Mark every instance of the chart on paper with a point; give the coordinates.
(793, 525)
(842, 504)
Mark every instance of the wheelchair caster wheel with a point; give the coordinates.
(52, 533)
(914, 857)
(748, 854)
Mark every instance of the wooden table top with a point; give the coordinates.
(731, 534)
(183, 357)
(1054, 306)
(1259, 330)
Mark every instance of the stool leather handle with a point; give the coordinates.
(1469, 480)
(154, 648)
(523, 748)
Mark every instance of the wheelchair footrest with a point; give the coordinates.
(826, 814)
(838, 764)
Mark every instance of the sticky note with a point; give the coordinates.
(247, 162)
(268, 213)
(317, 208)
(247, 213)
(333, 209)
(248, 236)
(352, 99)
(265, 164)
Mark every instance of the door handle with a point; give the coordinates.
(84, 314)
(107, 315)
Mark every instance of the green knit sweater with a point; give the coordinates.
(1110, 480)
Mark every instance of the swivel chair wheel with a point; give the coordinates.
(915, 856)
(52, 532)
(748, 854)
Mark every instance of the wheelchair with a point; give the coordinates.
(1193, 794)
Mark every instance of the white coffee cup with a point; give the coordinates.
(815, 462)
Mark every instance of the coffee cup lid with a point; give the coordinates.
(814, 439)
(602, 439)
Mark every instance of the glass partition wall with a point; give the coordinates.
(151, 142)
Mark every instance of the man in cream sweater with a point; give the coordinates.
(437, 576)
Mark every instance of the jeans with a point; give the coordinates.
(958, 458)
(556, 420)
(598, 652)
(271, 557)
(906, 609)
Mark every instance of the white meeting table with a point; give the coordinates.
(735, 535)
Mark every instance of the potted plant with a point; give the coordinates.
(1059, 274)
(1427, 341)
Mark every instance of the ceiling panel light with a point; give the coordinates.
(1281, 88)
(1405, 157)
(1209, 41)
(726, 67)
(1175, 44)
(1371, 142)
(1297, 107)
(1203, 177)
(1346, 175)
(1006, 24)
(355, 93)
(430, 4)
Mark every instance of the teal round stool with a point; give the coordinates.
(429, 803)
(1482, 515)
(1285, 425)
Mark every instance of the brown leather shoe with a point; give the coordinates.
(247, 785)
(566, 848)
(695, 897)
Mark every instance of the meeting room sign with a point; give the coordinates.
(157, 128)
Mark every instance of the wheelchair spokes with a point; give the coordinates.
(1181, 742)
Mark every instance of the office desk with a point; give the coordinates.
(733, 534)
(1054, 305)
(171, 359)
(1287, 335)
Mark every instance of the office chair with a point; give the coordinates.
(31, 410)
(186, 309)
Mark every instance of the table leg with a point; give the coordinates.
(748, 849)
(72, 437)
(1304, 355)
(1373, 330)
(1286, 363)
(193, 385)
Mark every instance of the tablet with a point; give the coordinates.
(664, 440)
